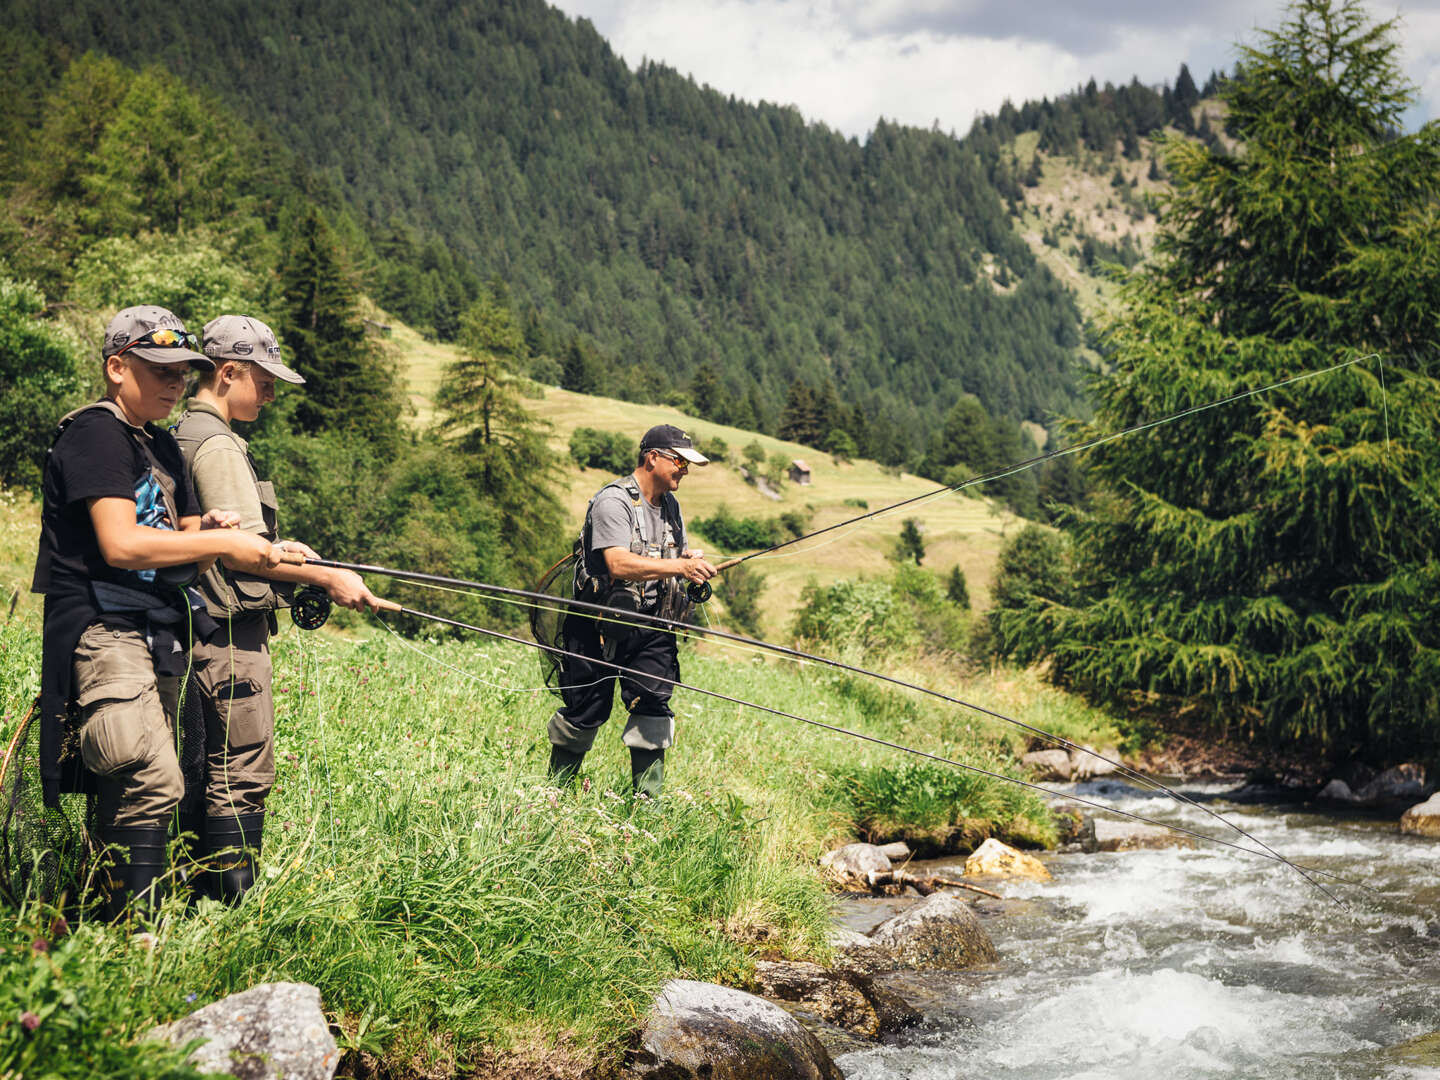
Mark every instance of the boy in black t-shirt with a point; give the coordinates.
(121, 536)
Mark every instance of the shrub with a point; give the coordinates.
(864, 616)
(739, 589)
(608, 450)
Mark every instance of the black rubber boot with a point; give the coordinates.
(564, 765)
(138, 861)
(188, 855)
(647, 771)
(232, 849)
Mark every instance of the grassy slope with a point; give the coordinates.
(958, 529)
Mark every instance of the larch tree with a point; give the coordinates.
(1272, 560)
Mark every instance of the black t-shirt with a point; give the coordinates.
(97, 457)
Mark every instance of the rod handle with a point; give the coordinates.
(292, 558)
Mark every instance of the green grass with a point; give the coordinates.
(453, 908)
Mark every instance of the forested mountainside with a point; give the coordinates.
(673, 231)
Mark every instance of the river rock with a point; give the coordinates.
(1402, 784)
(1087, 762)
(1423, 820)
(1048, 764)
(698, 1029)
(1102, 834)
(940, 932)
(273, 1031)
(994, 859)
(899, 851)
(851, 866)
(846, 998)
(1336, 793)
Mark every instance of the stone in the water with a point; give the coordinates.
(1403, 783)
(274, 1031)
(1087, 762)
(1049, 764)
(1336, 792)
(1424, 819)
(848, 999)
(899, 851)
(1102, 834)
(700, 1029)
(851, 866)
(994, 859)
(939, 932)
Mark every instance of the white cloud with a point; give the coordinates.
(848, 62)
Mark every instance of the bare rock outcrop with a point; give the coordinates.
(1048, 764)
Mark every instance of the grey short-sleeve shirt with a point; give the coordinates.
(610, 525)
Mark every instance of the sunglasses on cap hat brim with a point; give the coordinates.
(166, 346)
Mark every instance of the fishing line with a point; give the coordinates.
(471, 675)
(1010, 470)
(656, 621)
(1303, 871)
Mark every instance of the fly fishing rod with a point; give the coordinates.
(547, 602)
(622, 669)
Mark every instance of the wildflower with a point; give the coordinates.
(39, 945)
(585, 784)
(29, 1021)
(59, 927)
(190, 997)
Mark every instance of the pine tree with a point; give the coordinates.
(351, 386)
(1273, 561)
(503, 447)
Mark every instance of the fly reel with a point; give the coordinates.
(310, 608)
(699, 591)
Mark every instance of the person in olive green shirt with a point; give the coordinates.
(232, 668)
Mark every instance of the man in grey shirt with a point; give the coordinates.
(634, 558)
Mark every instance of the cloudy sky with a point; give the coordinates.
(848, 62)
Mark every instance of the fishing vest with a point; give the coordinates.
(666, 596)
(231, 592)
(154, 502)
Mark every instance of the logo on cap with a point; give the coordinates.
(242, 348)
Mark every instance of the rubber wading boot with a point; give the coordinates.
(138, 863)
(564, 765)
(232, 849)
(189, 855)
(647, 771)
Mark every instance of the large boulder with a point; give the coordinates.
(940, 932)
(1103, 834)
(273, 1031)
(850, 866)
(698, 1029)
(994, 859)
(1048, 764)
(1402, 784)
(845, 998)
(1424, 819)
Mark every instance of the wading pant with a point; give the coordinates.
(588, 689)
(127, 738)
(232, 670)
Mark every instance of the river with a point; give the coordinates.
(1191, 964)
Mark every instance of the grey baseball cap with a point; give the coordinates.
(669, 437)
(129, 330)
(239, 337)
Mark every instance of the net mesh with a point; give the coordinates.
(547, 621)
(44, 851)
